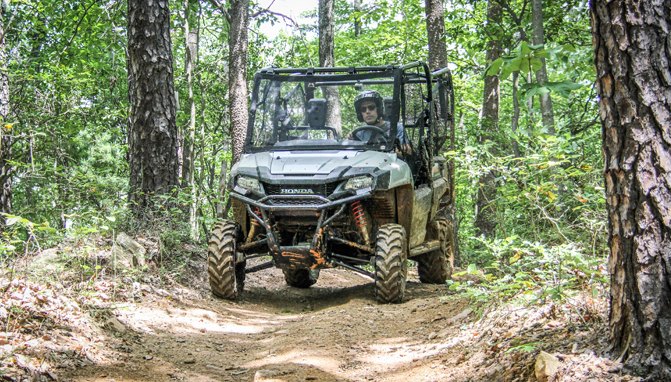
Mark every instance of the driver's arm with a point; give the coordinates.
(406, 149)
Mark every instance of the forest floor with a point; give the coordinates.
(80, 321)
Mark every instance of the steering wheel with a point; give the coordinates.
(377, 134)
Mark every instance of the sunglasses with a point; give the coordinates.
(369, 108)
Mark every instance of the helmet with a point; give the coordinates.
(369, 95)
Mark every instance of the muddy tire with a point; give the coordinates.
(435, 267)
(390, 264)
(226, 277)
(301, 278)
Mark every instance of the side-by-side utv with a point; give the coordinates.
(319, 187)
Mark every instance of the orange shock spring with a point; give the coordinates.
(257, 211)
(254, 225)
(359, 214)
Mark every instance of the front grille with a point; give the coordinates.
(300, 189)
(295, 201)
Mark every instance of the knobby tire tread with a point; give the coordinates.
(390, 264)
(435, 267)
(226, 279)
(300, 278)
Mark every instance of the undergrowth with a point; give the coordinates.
(532, 273)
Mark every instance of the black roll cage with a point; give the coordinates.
(345, 75)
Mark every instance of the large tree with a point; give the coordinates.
(538, 38)
(237, 71)
(485, 213)
(327, 59)
(153, 135)
(435, 28)
(5, 125)
(632, 57)
(191, 34)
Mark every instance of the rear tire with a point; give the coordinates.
(301, 278)
(390, 264)
(435, 267)
(226, 277)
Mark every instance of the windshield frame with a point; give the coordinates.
(391, 75)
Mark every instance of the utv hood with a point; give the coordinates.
(322, 165)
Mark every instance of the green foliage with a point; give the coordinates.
(532, 271)
(22, 235)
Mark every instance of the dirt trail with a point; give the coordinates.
(149, 328)
(333, 331)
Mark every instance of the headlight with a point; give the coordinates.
(248, 183)
(358, 183)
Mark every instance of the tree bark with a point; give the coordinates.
(327, 59)
(358, 7)
(153, 135)
(538, 38)
(515, 122)
(435, 28)
(237, 80)
(5, 127)
(632, 55)
(485, 209)
(191, 56)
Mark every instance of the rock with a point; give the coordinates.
(48, 262)
(267, 376)
(460, 317)
(546, 366)
(129, 252)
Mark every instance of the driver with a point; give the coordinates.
(369, 107)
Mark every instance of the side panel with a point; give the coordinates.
(404, 207)
(420, 215)
(439, 189)
(240, 215)
(440, 183)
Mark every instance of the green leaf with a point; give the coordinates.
(563, 87)
(494, 67)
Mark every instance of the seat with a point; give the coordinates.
(316, 113)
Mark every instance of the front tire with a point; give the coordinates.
(301, 278)
(390, 264)
(226, 277)
(435, 267)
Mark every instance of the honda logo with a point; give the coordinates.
(296, 191)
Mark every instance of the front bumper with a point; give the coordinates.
(311, 255)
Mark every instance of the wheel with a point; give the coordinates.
(390, 264)
(227, 278)
(435, 267)
(301, 278)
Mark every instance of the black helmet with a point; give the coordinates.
(369, 95)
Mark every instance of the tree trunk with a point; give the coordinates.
(237, 80)
(435, 28)
(327, 59)
(357, 21)
(191, 56)
(5, 127)
(153, 135)
(632, 56)
(485, 209)
(538, 38)
(515, 123)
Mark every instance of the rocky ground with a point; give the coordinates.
(81, 320)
